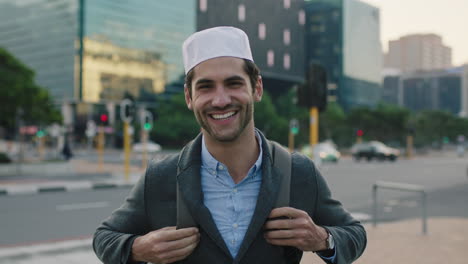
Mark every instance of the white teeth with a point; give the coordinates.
(223, 116)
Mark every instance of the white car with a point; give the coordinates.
(150, 147)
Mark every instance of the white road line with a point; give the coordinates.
(81, 206)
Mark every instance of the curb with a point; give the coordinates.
(67, 187)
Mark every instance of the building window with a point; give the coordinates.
(301, 17)
(286, 4)
(286, 37)
(287, 61)
(241, 13)
(261, 31)
(270, 58)
(203, 5)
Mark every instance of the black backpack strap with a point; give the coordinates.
(282, 161)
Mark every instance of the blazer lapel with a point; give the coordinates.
(266, 199)
(189, 181)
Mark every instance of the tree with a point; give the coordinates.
(19, 91)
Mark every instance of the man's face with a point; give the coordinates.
(222, 97)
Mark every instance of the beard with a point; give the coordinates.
(245, 116)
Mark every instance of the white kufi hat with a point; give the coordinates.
(215, 42)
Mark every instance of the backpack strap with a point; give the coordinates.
(281, 160)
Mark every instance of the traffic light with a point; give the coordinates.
(147, 120)
(360, 133)
(40, 133)
(314, 92)
(104, 119)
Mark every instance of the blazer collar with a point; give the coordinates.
(189, 181)
(266, 198)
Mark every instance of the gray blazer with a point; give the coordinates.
(151, 205)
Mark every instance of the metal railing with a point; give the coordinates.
(400, 187)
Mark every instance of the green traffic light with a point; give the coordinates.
(295, 130)
(147, 126)
(40, 133)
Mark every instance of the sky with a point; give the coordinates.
(447, 18)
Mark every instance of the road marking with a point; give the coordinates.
(81, 206)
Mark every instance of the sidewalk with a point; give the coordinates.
(402, 242)
(396, 242)
(76, 174)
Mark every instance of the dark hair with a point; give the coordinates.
(249, 67)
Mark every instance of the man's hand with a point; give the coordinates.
(288, 226)
(165, 245)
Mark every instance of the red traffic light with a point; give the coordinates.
(360, 133)
(104, 118)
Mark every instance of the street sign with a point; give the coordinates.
(126, 110)
(54, 130)
(90, 129)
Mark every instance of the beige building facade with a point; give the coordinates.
(418, 52)
(110, 71)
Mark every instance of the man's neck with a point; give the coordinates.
(238, 155)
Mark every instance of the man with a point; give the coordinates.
(227, 180)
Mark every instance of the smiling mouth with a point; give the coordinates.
(223, 116)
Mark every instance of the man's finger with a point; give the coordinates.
(177, 234)
(280, 234)
(182, 252)
(283, 242)
(288, 212)
(279, 224)
(182, 243)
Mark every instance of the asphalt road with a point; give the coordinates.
(30, 219)
(27, 219)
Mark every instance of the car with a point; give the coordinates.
(374, 150)
(326, 151)
(150, 147)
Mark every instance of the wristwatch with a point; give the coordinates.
(330, 242)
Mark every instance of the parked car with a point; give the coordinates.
(326, 151)
(374, 150)
(150, 147)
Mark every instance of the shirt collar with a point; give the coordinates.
(210, 163)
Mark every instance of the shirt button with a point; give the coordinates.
(234, 225)
(220, 167)
(213, 172)
(235, 190)
(233, 241)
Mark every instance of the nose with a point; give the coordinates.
(221, 97)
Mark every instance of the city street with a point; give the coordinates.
(45, 217)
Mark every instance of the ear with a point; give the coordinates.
(188, 97)
(258, 91)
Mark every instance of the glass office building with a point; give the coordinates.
(129, 47)
(344, 37)
(276, 34)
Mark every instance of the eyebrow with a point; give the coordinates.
(230, 79)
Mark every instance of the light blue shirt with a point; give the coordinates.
(231, 205)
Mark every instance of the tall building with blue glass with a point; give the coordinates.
(128, 47)
(343, 36)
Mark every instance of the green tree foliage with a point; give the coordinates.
(19, 91)
(269, 121)
(176, 124)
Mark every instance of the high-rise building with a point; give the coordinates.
(418, 52)
(343, 36)
(128, 47)
(433, 90)
(276, 33)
